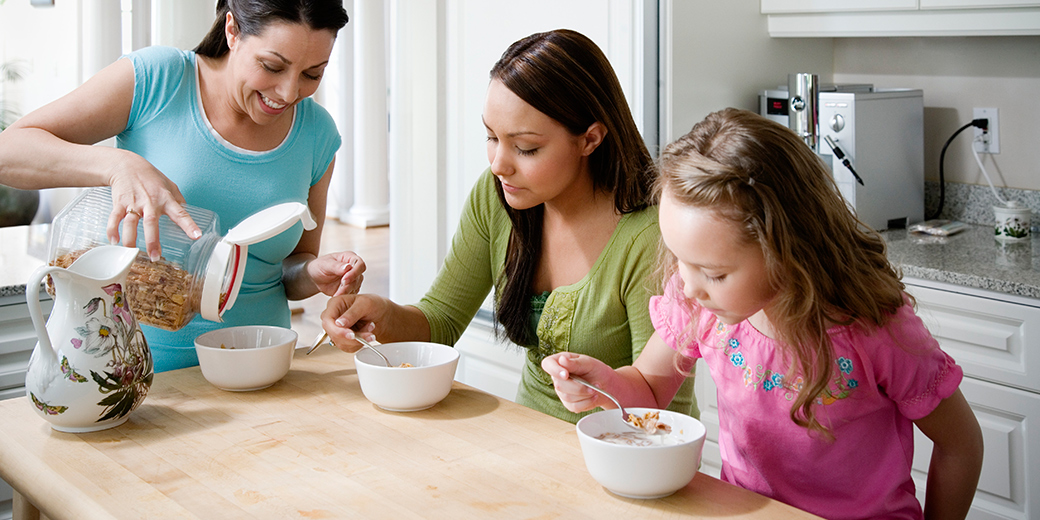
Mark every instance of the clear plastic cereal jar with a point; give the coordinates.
(193, 277)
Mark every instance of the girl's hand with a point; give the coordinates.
(336, 274)
(142, 193)
(347, 315)
(575, 396)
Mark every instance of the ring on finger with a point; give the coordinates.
(132, 211)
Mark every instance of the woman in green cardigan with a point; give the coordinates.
(561, 225)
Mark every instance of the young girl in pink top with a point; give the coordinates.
(821, 365)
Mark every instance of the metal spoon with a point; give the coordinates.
(368, 345)
(364, 344)
(624, 414)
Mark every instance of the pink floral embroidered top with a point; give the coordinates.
(882, 381)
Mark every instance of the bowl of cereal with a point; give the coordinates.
(637, 464)
(244, 358)
(420, 374)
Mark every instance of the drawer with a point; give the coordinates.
(17, 340)
(991, 339)
(1009, 486)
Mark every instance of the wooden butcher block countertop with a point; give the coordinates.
(312, 447)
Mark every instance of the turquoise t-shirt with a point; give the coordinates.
(168, 127)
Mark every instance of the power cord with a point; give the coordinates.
(977, 123)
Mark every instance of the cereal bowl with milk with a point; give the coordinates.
(636, 464)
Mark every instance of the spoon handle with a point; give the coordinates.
(598, 389)
(369, 346)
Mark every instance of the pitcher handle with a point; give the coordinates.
(32, 297)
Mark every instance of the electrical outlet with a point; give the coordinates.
(991, 139)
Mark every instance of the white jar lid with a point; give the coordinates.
(227, 263)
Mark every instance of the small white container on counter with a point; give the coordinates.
(1012, 222)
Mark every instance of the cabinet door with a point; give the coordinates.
(708, 404)
(993, 340)
(1009, 486)
(976, 4)
(832, 6)
(486, 362)
(17, 340)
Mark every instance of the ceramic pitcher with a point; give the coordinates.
(92, 366)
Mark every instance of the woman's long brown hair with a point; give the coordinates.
(564, 75)
(827, 267)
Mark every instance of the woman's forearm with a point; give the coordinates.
(32, 158)
(298, 284)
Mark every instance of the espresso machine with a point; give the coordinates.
(873, 140)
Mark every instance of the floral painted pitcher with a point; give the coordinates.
(92, 366)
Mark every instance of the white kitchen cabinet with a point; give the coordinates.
(995, 338)
(867, 18)
(17, 340)
(833, 6)
(708, 404)
(487, 362)
(1008, 484)
(976, 4)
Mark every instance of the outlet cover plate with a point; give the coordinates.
(993, 146)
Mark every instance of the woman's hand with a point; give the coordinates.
(348, 315)
(575, 396)
(336, 274)
(141, 193)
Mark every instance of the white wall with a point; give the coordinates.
(56, 54)
(956, 75)
(441, 57)
(719, 54)
(45, 40)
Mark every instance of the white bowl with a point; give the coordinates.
(249, 357)
(641, 471)
(407, 389)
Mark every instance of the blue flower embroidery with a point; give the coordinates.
(853, 383)
(737, 359)
(773, 381)
(845, 364)
(733, 343)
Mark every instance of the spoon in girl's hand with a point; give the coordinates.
(624, 414)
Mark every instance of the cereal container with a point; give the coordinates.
(193, 277)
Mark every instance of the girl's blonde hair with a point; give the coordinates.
(826, 266)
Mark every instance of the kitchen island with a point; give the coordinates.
(312, 446)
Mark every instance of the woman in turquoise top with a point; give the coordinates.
(229, 127)
(560, 225)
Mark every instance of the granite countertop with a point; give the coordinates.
(972, 258)
(24, 248)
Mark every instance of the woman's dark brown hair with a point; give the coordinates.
(253, 16)
(564, 75)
